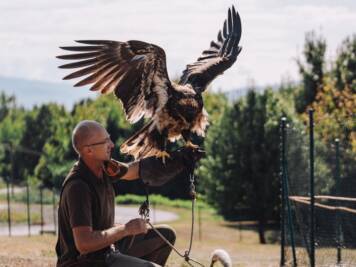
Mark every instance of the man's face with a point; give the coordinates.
(99, 145)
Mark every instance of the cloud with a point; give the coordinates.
(273, 32)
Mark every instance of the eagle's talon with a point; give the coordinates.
(191, 145)
(163, 155)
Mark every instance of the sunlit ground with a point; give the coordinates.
(242, 245)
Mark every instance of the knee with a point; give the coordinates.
(168, 232)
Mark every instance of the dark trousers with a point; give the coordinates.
(143, 250)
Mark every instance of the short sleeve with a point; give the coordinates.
(79, 204)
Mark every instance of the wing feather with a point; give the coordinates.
(218, 58)
(135, 71)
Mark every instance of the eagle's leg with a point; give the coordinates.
(163, 147)
(187, 138)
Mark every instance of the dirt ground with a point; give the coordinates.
(242, 245)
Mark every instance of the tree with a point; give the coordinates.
(335, 105)
(345, 65)
(242, 163)
(38, 128)
(6, 104)
(11, 131)
(312, 70)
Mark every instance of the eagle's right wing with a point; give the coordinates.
(135, 71)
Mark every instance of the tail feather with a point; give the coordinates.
(143, 143)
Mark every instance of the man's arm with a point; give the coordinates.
(153, 171)
(86, 240)
(132, 171)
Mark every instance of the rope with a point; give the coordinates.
(324, 197)
(304, 200)
(144, 211)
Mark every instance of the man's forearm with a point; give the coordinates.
(156, 173)
(132, 172)
(87, 242)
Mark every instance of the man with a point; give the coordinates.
(87, 233)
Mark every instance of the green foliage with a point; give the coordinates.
(11, 130)
(215, 104)
(312, 70)
(38, 128)
(241, 167)
(7, 103)
(345, 65)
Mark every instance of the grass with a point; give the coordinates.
(19, 217)
(160, 201)
(211, 232)
(2, 183)
(34, 196)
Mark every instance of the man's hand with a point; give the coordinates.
(136, 226)
(190, 156)
(154, 173)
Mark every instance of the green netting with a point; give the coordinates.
(335, 199)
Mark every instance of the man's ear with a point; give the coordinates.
(87, 150)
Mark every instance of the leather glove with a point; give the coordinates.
(114, 168)
(156, 173)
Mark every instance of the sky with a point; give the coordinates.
(273, 33)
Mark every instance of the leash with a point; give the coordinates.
(144, 211)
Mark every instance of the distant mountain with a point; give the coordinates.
(241, 92)
(31, 92)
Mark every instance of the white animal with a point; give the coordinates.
(222, 256)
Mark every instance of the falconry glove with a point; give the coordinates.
(156, 173)
(114, 168)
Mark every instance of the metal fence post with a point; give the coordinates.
(28, 208)
(54, 210)
(312, 193)
(338, 193)
(285, 195)
(199, 223)
(282, 147)
(41, 205)
(8, 205)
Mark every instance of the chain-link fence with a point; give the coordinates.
(318, 219)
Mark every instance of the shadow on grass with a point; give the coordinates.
(272, 230)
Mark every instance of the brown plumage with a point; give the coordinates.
(136, 73)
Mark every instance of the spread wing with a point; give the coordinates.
(135, 71)
(218, 58)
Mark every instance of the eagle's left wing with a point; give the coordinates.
(218, 58)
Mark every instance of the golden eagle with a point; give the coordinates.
(136, 73)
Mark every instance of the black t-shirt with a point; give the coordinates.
(85, 201)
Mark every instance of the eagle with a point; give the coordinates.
(136, 73)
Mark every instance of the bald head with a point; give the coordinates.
(85, 133)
